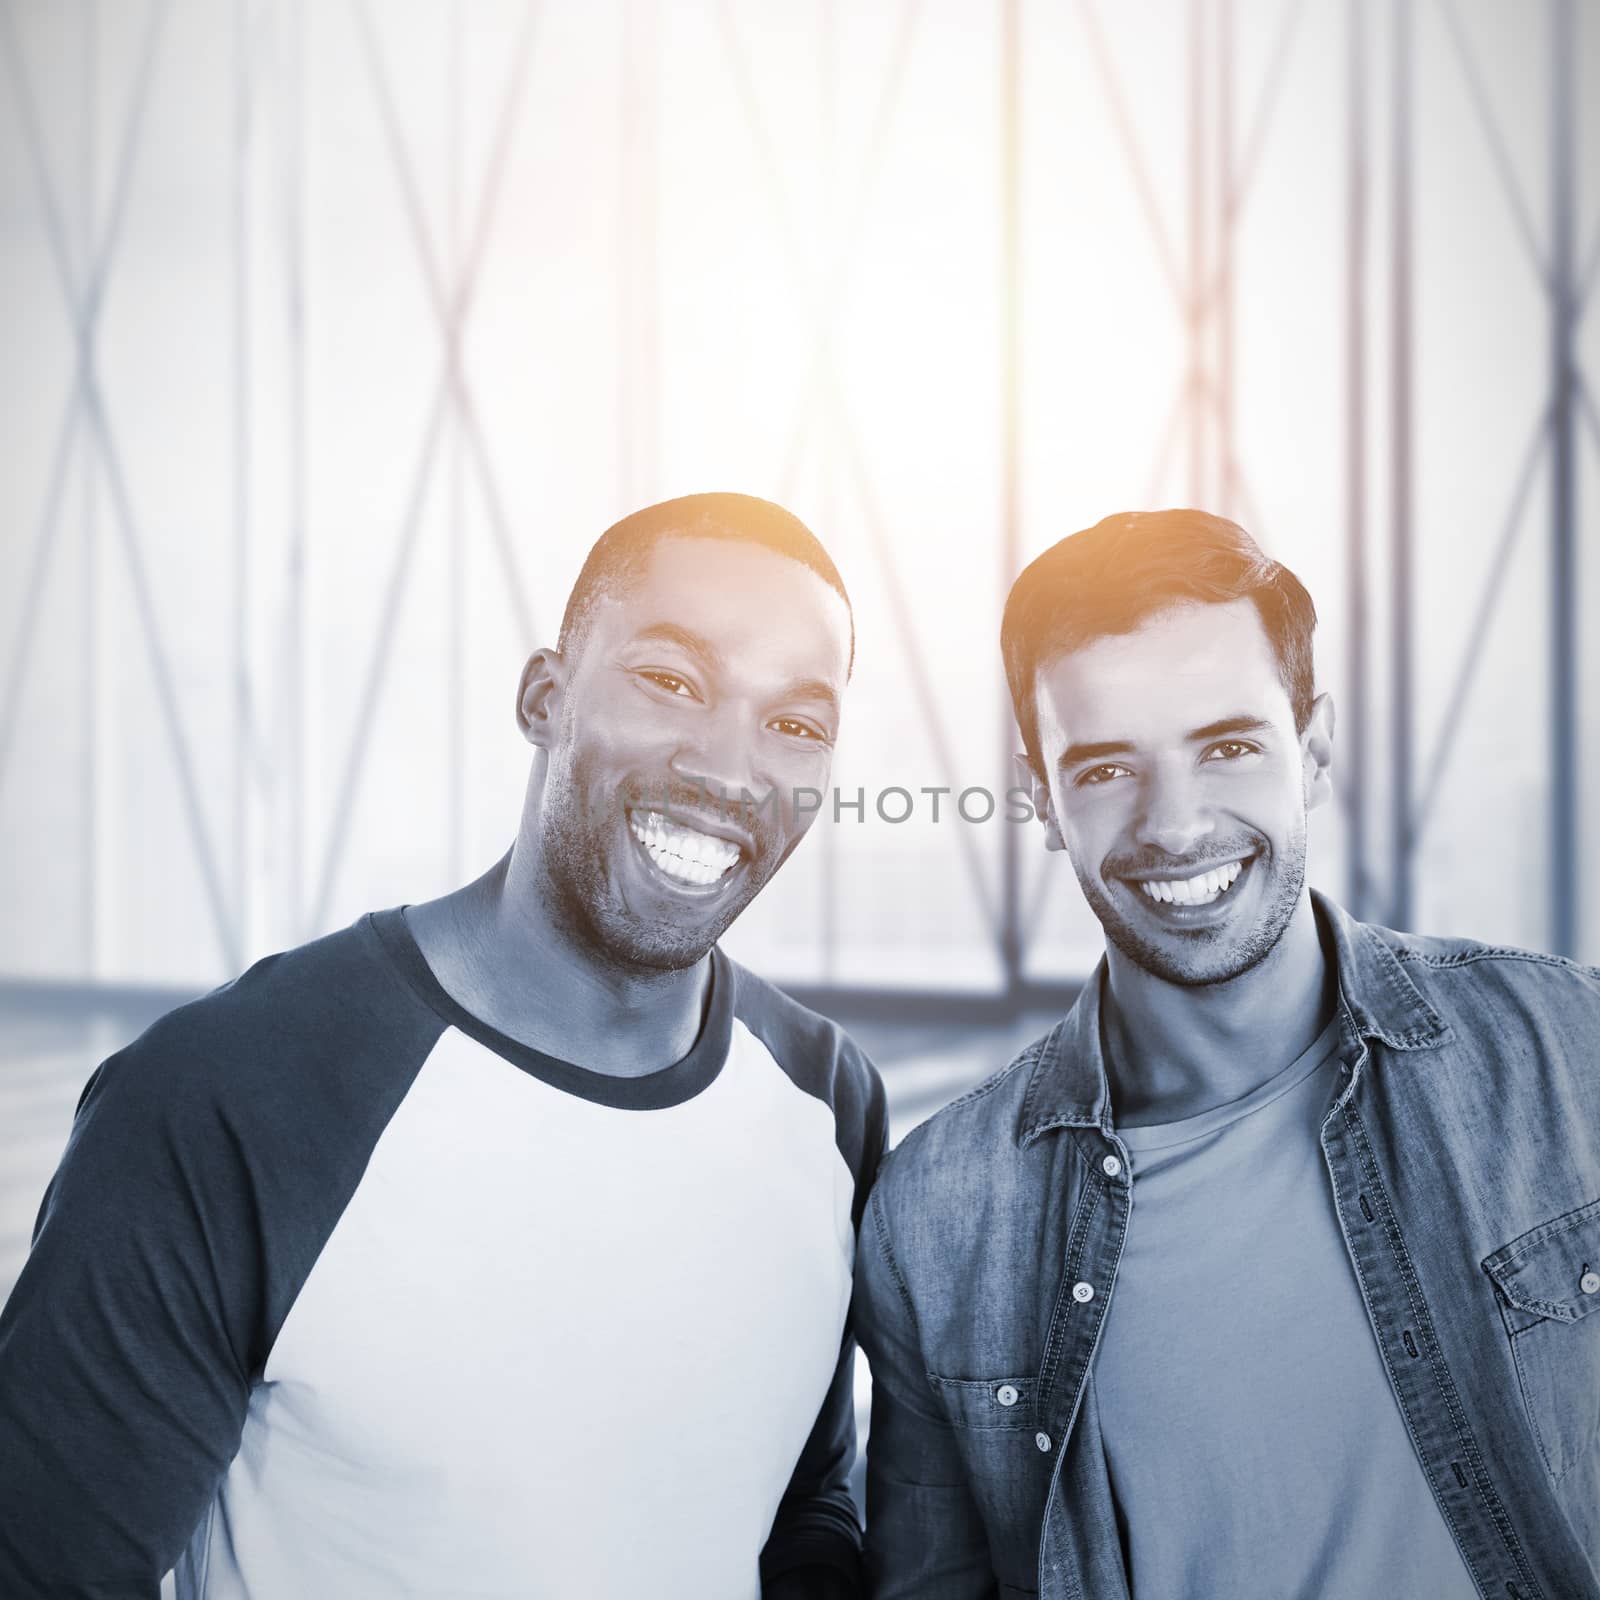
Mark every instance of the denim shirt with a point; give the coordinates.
(1463, 1148)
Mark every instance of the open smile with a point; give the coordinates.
(686, 858)
(1178, 899)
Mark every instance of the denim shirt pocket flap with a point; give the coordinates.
(981, 1403)
(1553, 1271)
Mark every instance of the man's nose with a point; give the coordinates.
(1173, 816)
(716, 754)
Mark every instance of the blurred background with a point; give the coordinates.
(335, 334)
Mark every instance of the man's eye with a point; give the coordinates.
(1230, 750)
(1100, 774)
(669, 681)
(797, 729)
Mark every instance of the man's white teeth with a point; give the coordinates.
(1196, 891)
(683, 853)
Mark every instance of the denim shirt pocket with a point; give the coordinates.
(996, 1428)
(1549, 1283)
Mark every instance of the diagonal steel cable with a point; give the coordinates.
(394, 594)
(487, 212)
(1590, 416)
(1169, 440)
(372, 53)
(166, 687)
(1290, 18)
(1134, 155)
(32, 590)
(921, 678)
(1488, 599)
(1249, 507)
(1033, 917)
(33, 142)
(1260, 124)
(450, 310)
(744, 84)
(132, 139)
(824, 307)
(1495, 138)
(1587, 277)
(83, 300)
(44, 544)
(830, 296)
(744, 87)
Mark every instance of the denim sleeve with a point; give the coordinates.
(815, 1544)
(924, 1536)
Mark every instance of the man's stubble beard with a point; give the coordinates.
(579, 821)
(1239, 957)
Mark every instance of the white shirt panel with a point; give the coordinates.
(552, 1348)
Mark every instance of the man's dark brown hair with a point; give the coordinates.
(1114, 576)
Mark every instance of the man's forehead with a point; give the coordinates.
(1182, 667)
(732, 600)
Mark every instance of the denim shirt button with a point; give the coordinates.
(1043, 1442)
(1111, 1166)
(1083, 1293)
(1590, 1283)
(1006, 1394)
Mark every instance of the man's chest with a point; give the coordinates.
(535, 1314)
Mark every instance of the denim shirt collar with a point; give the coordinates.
(1378, 1000)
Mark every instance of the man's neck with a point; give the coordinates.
(1174, 1052)
(496, 950)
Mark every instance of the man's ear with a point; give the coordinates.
(539, 696)
(1039, 793)
(1316, 747)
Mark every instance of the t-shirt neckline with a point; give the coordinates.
(1164, 1135)
(654, 1091)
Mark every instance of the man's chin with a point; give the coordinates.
(1205, 961)
(1201, 956)
(642, 950)
(659, 942)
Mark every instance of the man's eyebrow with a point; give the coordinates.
(685, 638)
(812, 689)
(1243, 723)
(709, 656)
(1074, 753)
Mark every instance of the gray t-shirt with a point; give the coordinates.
(1254, 1443)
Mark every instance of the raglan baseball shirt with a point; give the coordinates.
(340, 1292)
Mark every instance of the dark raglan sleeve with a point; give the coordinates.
(814, 1550)
(206, 1166)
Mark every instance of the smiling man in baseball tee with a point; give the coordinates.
(500, 1245)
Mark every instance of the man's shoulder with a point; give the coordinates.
(1468, 975)
(1495, 1076)
(1506, 962)
(1499, 1025)
(965, 1138)
(821, 1060)
(275, 1029)
(327, 985)
(806, 1044)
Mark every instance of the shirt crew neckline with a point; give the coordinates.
(1166, 1135)
(654, 1091)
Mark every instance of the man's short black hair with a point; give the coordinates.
(1114, 576)
(620, 553)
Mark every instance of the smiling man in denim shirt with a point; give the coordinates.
(1272, 1269)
